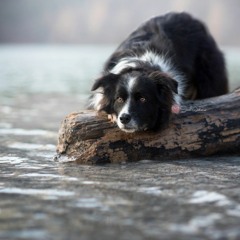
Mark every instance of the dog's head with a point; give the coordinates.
(139, 100)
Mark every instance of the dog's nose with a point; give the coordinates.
(125, 118)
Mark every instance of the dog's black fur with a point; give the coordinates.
(166, 60)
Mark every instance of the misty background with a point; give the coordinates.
(106, 21)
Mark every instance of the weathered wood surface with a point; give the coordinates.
(203, 128)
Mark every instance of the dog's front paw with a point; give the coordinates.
(112, 117)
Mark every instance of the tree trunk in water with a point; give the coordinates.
(203, 128)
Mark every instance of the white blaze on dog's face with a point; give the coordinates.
(125, 120)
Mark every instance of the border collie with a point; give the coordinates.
(168, 59)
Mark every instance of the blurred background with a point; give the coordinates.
(106, 21)
(59, 46)
(50, 53)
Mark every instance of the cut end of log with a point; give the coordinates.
(203, 128)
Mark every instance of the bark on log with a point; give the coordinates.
(203, 128)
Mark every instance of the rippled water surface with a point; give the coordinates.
(44, 199)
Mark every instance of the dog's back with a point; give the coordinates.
(190, 48)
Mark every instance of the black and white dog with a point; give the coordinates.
(166, 60)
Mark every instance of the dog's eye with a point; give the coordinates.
(120, 100)
(142, 99)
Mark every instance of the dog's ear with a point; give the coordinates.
(106, 81)
(164, 80)
(173, 84)
(167, 88)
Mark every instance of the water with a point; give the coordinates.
(43, 199)
(66, 69)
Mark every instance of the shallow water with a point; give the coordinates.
(44, 199)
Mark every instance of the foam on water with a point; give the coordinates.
(32, 146)
(209, 197)
(26, 132)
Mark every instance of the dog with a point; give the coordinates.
(167, 60)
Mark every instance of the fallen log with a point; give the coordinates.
(203, 128)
